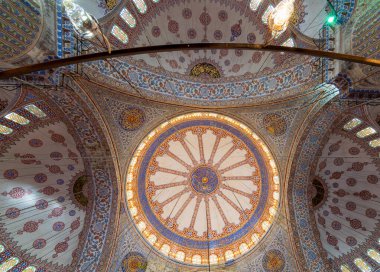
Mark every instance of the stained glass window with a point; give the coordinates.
(165, 249)
(374, 255)
(128, 17)
(362, 265)
(33, 109)
(119, 34)
(8, 264)
(353, 123)
(289, 42)
(266, 14)
(197, 259)
(17, 118)
(344, 268)
(229, 255)
(366, 132)
(152, 239)
(180, 256)
(29, 269)
(140, 5)
(5, 130)
(254, 4)
(243, 248)
(213, 259)
(375, 143)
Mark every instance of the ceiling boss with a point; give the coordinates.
(202, 189)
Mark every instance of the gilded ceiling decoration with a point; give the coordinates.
(200, 185)
(273, 261)
(275, 124)
(132, 118)
(134, 262)
(205, 70)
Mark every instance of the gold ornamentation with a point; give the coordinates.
(275, 124)
(205, 70)
(273, 261)
(132, 118)
(111, 4)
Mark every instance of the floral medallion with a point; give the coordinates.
(202, 188)
(132, 118)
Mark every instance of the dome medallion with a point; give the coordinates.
(202, 188)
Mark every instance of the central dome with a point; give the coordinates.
(202, 188)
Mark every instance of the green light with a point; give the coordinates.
(331, 19)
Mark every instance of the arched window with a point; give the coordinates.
(374, 254)
(344, 268)
(119, 34)
(14, 117)
(5, 130)
(229, 255)
(29, 269)
(375, 143)
(362, 265)
(9, 264)
(165, 249)
(128, 18)
(213, 259)
(368, 131)
(33, 109)
(180, 256)
(353, 123)
(140, 5)
(197, 259)
(254, 4)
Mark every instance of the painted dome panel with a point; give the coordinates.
(209, 196)
(45, 207)
(206, 77)
(218, 21)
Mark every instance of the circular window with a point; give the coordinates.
(202, 188)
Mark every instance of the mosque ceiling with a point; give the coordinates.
(48, 184)
(128, 132)
(282, 186)
(213, 77)
(344, 192)
(191, 170)
(341, 191)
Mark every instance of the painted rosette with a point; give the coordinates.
(202, 188)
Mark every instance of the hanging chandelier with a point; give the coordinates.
(279, 18)
(85, 25)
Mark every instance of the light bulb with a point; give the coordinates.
(279, 18)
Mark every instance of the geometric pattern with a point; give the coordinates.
(21, 24)
(184, 189)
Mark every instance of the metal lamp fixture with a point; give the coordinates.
(85, 25)
(279, 18)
